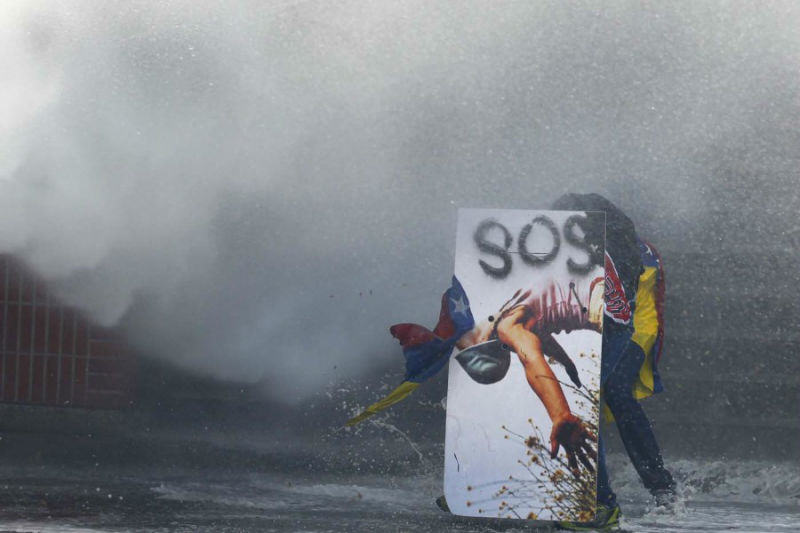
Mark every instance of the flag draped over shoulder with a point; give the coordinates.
(426, 351)
(651, 292)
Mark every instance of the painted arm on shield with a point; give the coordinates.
(512, 325)
(568, 430)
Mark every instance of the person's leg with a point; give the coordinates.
(605, 496)
(634, 427)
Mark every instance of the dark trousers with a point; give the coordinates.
(634, 427)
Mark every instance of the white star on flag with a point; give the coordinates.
(459, 306)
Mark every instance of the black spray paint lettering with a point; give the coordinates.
(594, 252)
(535, 260)
(484, 244)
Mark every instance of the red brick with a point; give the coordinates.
(3, 267)
(25, 329)
(65, 383)
(13, 283)
(9, 371)
(79, 381)
(104, 366)
(12, 328)
(23, 377)
(54, 338)
(51, 387)
(108, 382)
(100, 333)
(39, 330)
(107, 349)
(38, 392)
(68, 337)
(82, 332)
(27, 287)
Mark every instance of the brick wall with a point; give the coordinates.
(51, 353)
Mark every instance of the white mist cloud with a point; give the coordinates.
(257, 190)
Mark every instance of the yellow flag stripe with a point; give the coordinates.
(645, 324)
(645, 332)
(398, 394)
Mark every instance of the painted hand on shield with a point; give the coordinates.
(569, 432)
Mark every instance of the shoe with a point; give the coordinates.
(441, 502)
(665, 498)
(605, 519)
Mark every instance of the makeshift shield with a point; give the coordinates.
(530, 277)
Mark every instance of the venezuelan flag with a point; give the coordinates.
(648, 320)
(648, 324)
(426, 351)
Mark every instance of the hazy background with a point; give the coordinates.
(256, 190)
